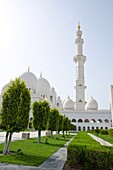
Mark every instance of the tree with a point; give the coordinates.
(60, 123)
(73, 127)
(66, 124)
(41, 110)
(15, 110)
(53, 123)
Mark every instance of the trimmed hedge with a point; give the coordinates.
(103, 132)
(110, 132)
(90, 155)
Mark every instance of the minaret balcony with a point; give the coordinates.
(77, 58)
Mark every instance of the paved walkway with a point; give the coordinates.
(55, 162)
(101, 141)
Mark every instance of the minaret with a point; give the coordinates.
(79, 60)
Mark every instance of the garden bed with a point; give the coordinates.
(84, 153)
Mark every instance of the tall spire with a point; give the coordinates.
(41, 74)
(78, 25)
(28, 68)
(79, 60)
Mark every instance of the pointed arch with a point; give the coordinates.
(73, 120)
(86, 120)
(80, 120)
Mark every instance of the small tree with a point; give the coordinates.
(15, 110)
(73, 127)
(41, 110)
(60, 123)
(66, 124)
(53, 123)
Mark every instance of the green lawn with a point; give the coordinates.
(106, 138)
(33, 153)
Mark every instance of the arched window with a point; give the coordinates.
(80, 120)
(88, 128)
(92, 128)
(86, 120)
(51, 98)
(79, 128)
(106, 121)
(101, 128)
(84, 128)
(106, 128)
(99, 121)
(57, 104)
(73, 120)
(97, 127)
(93, 120)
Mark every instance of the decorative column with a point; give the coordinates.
(79, 60)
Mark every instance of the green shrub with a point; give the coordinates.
(97, 131)
(110, 132)
(103, 132)
(89, 154)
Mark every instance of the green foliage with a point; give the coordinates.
(66, 124)
(41, 110)
(110, 132)
(104, 132)
(15, 107)
(72, 127)
(53, 123)
(28, 152)
(97, 131)
(31, 123)
(60, 123)
(89, 154)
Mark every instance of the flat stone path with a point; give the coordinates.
(55, 162)
(101, 141)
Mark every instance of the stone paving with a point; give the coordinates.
(101, 141)
(55, 162)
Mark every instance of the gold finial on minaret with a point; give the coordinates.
(78, 25)
(28, 68)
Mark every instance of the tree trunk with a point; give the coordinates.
(39, 136)
(8, 145)
(63, 133)
(51, 134)
(5, 144)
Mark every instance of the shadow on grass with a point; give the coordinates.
(28, 160)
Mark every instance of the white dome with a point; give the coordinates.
(43, 86)
(68, 104)
(92, 104)
(5, 87)
(53, 92)
(30, 80)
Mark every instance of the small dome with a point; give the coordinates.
(53, 92)
(43, 86)
(52, 89)
(5, 87)
(68, 104)
(92, 104)
(30, 80)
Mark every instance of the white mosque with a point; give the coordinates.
(85, 115)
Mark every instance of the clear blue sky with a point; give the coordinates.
(41, 33)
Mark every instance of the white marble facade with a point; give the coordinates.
(85, 115)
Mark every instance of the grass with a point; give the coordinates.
(33, 153)
(105, 137)
(86, 153)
